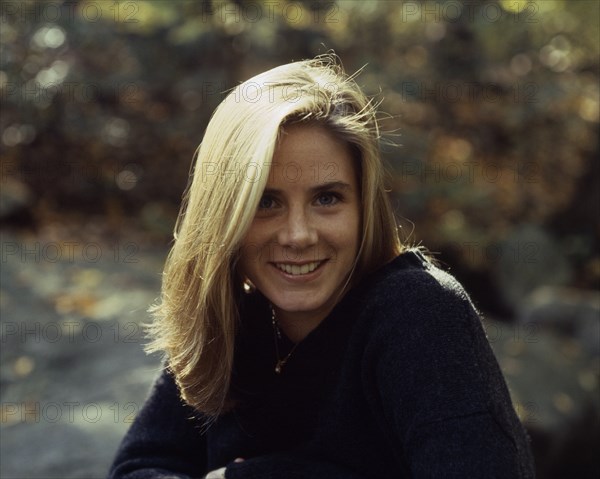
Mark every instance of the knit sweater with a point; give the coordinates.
(398, 381)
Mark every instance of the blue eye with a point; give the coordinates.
(266, 202)
(327, 199)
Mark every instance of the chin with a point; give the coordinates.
(298, 306)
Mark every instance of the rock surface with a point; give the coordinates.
(73, 371)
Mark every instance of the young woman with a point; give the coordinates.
(301, 339)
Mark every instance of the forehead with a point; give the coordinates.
(311, 154)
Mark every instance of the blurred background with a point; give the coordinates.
(489, 112)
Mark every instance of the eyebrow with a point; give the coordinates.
(333, 185)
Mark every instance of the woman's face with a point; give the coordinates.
(305, 236)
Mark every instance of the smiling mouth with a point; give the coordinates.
(297, 269)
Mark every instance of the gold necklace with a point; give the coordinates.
(280, 363)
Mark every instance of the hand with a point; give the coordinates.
(216, 474)
(220, 473)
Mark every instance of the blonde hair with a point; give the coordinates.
(196, 319)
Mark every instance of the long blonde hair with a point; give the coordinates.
(196, 319)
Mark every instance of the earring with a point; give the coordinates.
(248, 286)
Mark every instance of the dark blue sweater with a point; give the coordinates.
(398, 381)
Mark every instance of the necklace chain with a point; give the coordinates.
(280, 362)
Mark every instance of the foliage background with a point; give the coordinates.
(494, 106)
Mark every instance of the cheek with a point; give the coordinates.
(259, 234)
(258, 246)
(344, 234)
(253, 239)
(248, 257)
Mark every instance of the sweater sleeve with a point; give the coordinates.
(164, 440)
(435, 386)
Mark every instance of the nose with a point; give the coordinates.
(297, 231)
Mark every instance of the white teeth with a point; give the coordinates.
(295, 269)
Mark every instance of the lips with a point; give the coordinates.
(298, 269)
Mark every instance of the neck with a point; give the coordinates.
(297, 325)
